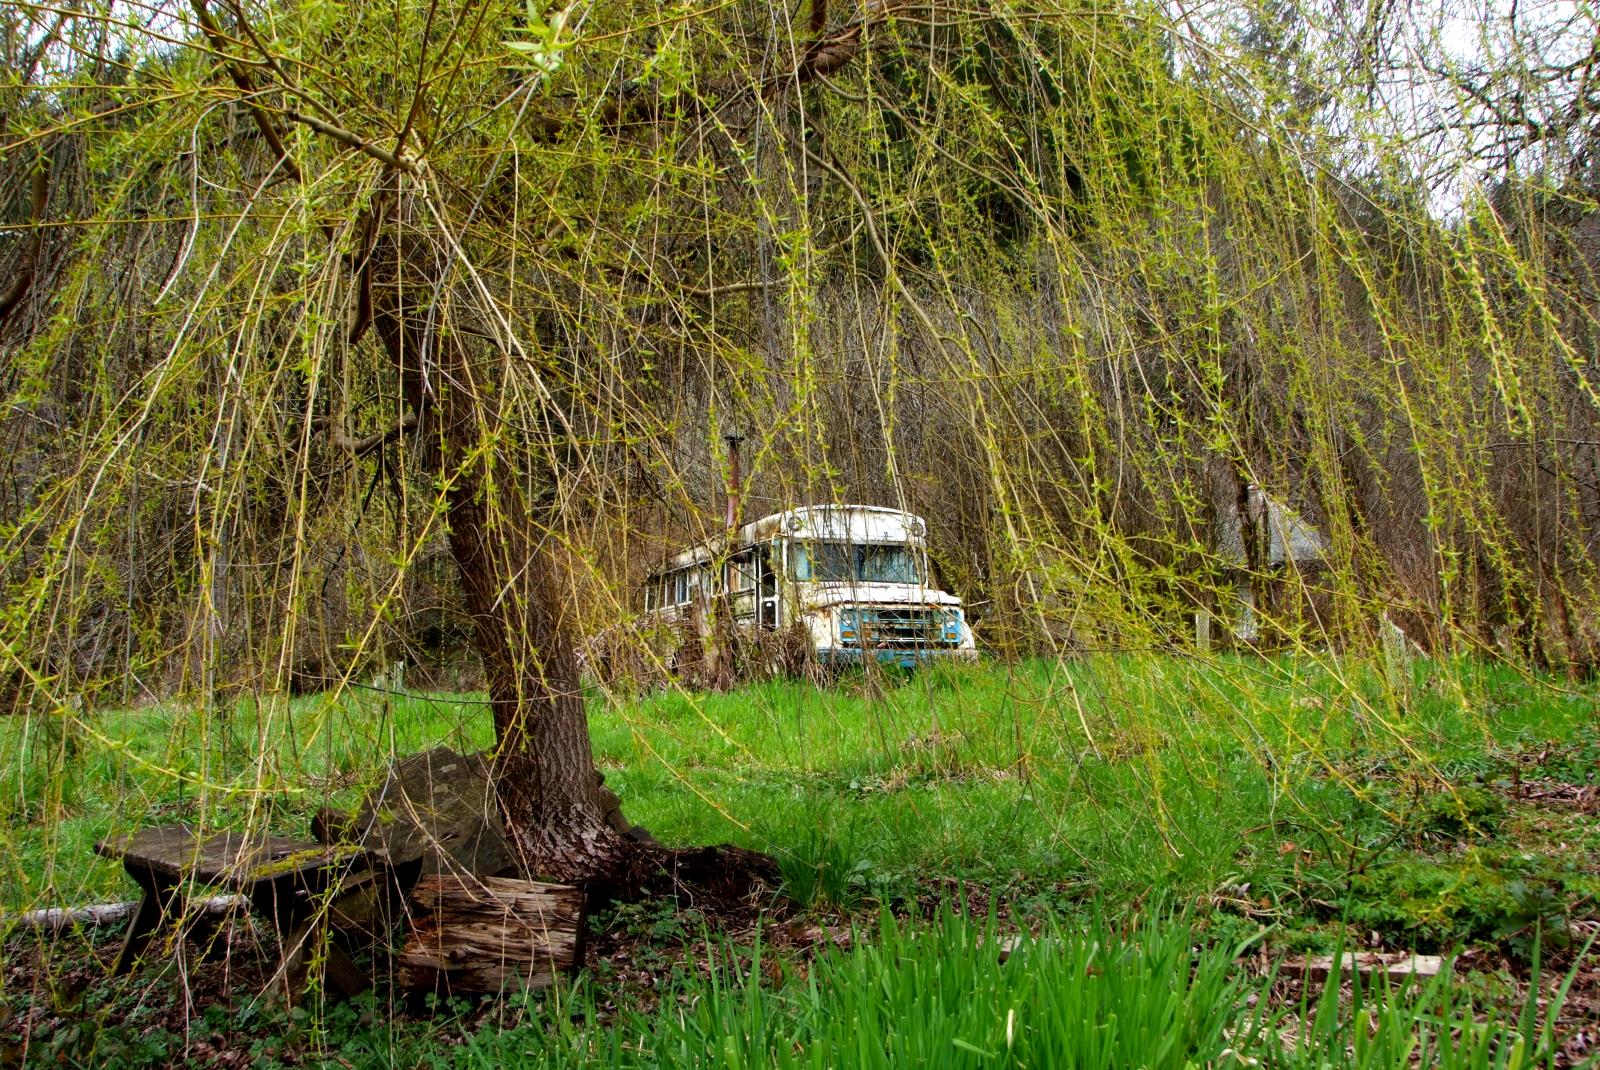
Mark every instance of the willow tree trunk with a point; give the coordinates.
(544, 765)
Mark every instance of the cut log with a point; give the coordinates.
(437, 808)
(490, 934)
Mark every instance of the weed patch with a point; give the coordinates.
(1502, 897)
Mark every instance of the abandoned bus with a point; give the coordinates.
(853, 579)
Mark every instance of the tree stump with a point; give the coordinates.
(491, 934)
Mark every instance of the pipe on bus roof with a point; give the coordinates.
(734, 480)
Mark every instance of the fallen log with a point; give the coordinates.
(52, 919)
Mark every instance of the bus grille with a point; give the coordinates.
(897, 627)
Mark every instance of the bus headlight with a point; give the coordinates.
(847, 625)
(952, 626)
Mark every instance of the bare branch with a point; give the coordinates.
(360, 447)
(241, 78)
(355, 141)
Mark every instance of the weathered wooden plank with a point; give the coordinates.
(1400, 966)
(282, 879)
(490, 934)
(233, 859)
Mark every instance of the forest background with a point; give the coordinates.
(1063, 281)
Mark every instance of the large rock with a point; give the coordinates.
(438, 809)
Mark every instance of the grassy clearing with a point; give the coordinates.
(1102, 778)
(1095, 780)
(1292, 804)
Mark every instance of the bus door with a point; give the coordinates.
(767, 600)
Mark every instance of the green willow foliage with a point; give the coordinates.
(1054, 276)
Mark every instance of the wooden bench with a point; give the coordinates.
(288, 882)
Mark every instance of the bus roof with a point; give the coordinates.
(841, 523)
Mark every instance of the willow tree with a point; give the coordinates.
(436, 205)
(1037, 269)
(469, 247)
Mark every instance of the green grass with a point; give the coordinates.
(1101, 779)
(934, 995)
(1097, 779)
(938, 994)
(1143, 815)
(1148, 992)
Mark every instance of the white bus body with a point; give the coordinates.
(854, 579)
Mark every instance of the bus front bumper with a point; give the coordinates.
(906, 657)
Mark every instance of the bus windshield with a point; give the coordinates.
(842, 562)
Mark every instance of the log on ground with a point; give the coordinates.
(1398, 966)
(490, 934)
(55, 918)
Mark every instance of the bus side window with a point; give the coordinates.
(744, 567)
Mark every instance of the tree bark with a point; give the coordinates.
(544, 767)
(11, 297)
